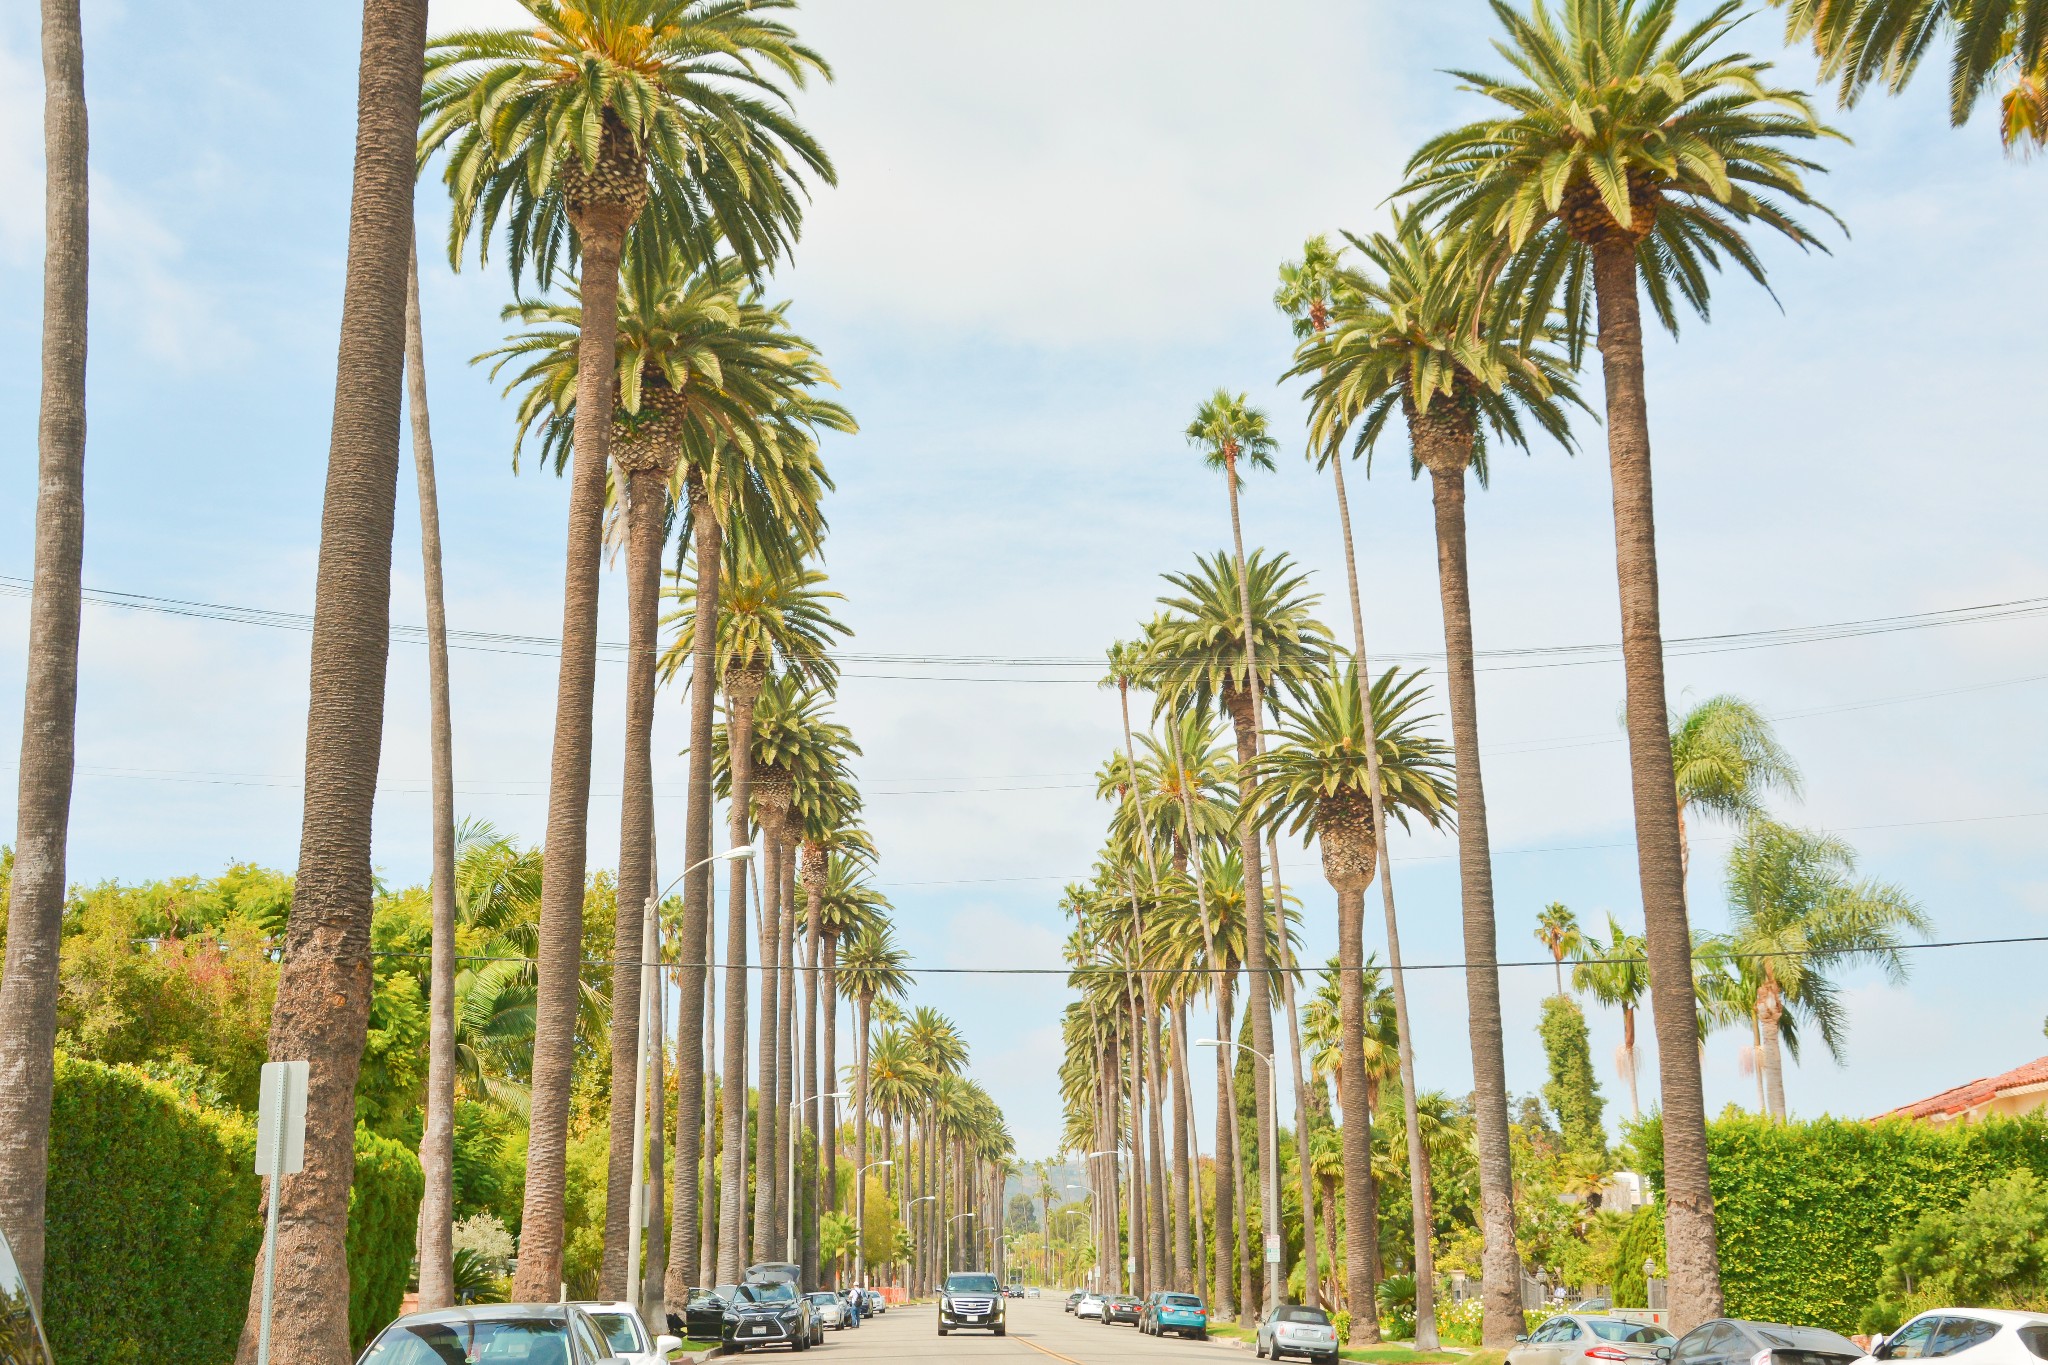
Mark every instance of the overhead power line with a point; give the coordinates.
(1498, 660)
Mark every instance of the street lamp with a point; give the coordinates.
(1271, 1196)
(796, 1112)
(860, 1220)
(650, 986)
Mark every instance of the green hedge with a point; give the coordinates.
(152, 1221)
(1802, 1208)
(156, 1218)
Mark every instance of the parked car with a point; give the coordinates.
(1577, 1338)
(1734, 1341)
(627, 1336)
(876, 1303)
(970, 1299)
(1122, 1308)
(769, 1313)
(1183, 1314)
(1987, 1336)
(1075, 1298)
(19, 1322)
(533, 1333)
(1089, 1305)
(1291, 1329)
(830, 1310)
(703, 1315)
(1031, 1291)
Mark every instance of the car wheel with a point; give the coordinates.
(1259, 1349)
(1003, 1331)
(942, 1331)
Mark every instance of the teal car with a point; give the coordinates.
(1178, 1313)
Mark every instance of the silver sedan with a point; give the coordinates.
(1589, 1339)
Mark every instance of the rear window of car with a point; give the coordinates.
(454, 1343)
(1620, 1329)
(1181, 1301)
(2035, 1339)
(1315, 1316)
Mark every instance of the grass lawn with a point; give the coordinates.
(1399, 1355)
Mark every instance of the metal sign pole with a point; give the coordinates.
(280, 1151)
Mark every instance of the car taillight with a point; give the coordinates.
(1605, 1353)
(1762, 1357)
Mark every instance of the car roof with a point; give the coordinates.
(489, 1312)
(2005, 1317)
(605, 1307)
(1798, 1338)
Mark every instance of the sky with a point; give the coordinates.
(1056, 231)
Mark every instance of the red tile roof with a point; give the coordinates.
(1963, 1098)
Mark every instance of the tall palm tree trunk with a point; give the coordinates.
(1444, 446)
(1229, 1161)
(1311, 1277)
(1198, 1266)
(1770, 1008)
(789, 1063)
(1246, 721)
(601, 226)
(650, 1293)
(437, 1140)
(49, 726)
(1156, 1158)
(707, 1210)
(323, 991)
(693, 1066)
(860, 1126)
(646, 476)
(768, 1099)
(1184, 1171)
(1352, 1080)
(828, 989)
(1694, 1262)
(742, 688)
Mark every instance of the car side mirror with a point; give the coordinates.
(1663, 1353)
(664, 1344)
(1522, 1338)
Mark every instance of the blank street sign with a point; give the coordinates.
(283, 1100)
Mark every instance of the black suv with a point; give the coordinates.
(972, 1299)
(768, 1313)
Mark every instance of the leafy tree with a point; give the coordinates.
(1797, 911)
(1992, 1250)
(1571, 1091)
(1632, 156)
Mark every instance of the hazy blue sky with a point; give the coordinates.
(1057, 230)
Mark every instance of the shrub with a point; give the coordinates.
(1641, 1240)
(1991, 1251)
(136, 1276)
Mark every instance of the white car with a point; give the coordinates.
(1984, 1336)
(1090, 1306)
(831, 1310)
(627, 1337)
(1031, 1292)
(1293, 1330)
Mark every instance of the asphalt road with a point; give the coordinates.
(1039, 1332)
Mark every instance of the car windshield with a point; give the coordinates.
(1314, 1316)
(527, 1341)
(728, 1292)
(970, 1284)
(778, 1292)
(1620, 1329)
(621, 1333)
(1181, 1301)
(824, 1296)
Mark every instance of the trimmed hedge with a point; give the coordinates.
(153, 1232)
(156, 1220)
(1802, 1208)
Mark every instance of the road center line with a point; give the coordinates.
(1046, 1350)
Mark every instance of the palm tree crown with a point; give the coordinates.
(1230, 432)
(1197, 645)
(1622, 127)
(671, 104)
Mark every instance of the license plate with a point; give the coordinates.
(757, 1331)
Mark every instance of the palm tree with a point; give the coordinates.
(1633, 156)
(1229, 432)
(1724, 757)
(1304, 294)
(1797, 912)
(1557, 929)
(847, 909)
(437, 1139)
(322, 1009)
(1315, 780)
(1862, 41)
(580, 123)
(1618, 976)
(49, 732)
(1406, 334)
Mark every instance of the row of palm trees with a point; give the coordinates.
(1633, 155)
